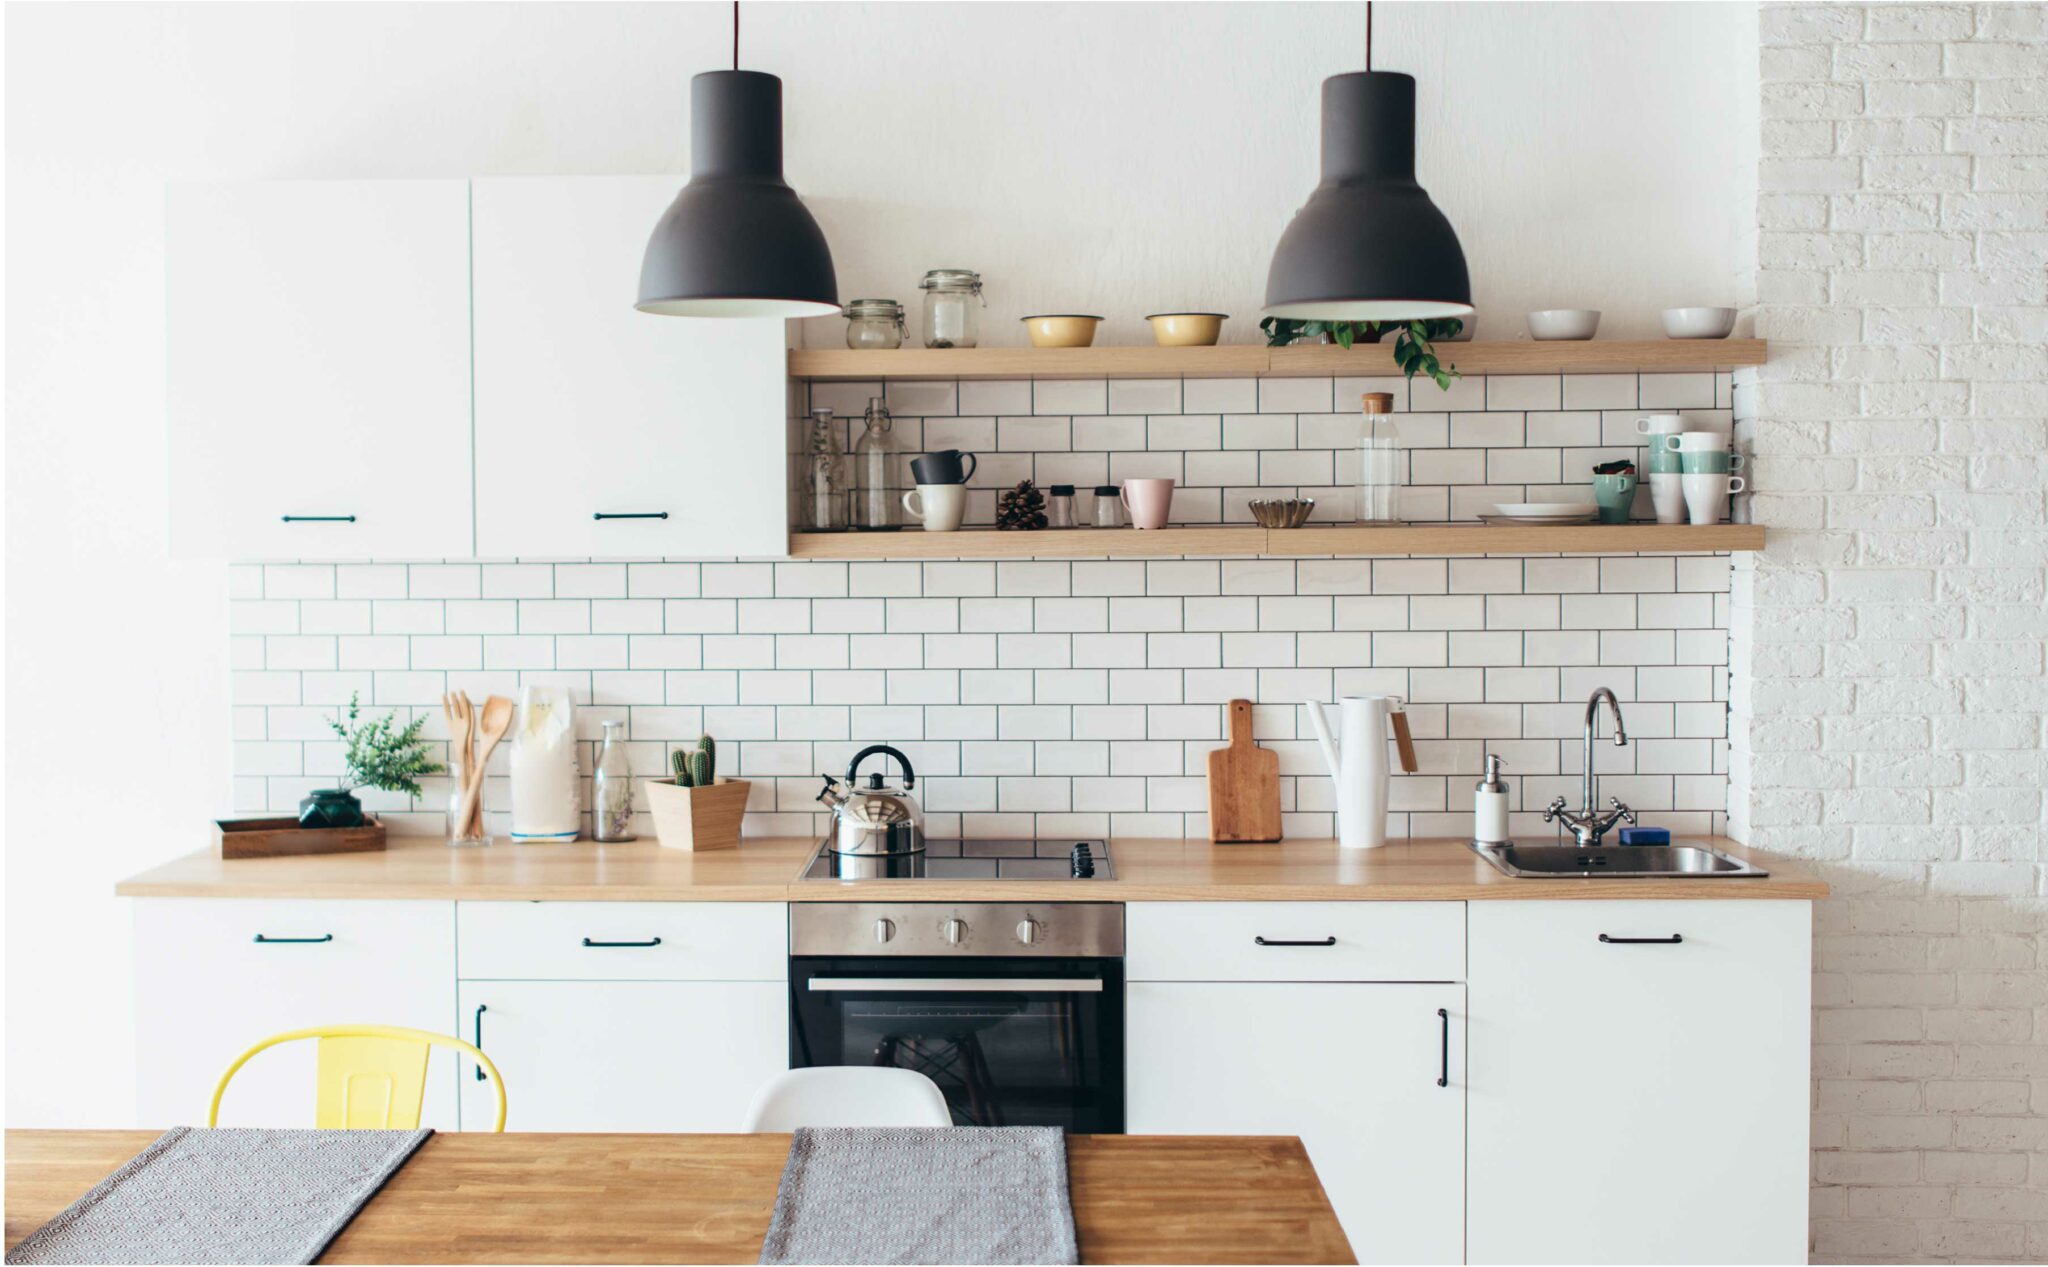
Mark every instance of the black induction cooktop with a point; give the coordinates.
(1051, 859)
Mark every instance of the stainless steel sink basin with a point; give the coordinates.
(1614, 862)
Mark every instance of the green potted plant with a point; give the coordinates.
(1414, 348)
(696, 809)
(378, 754)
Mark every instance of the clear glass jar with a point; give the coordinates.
(824, 475)
(1059, 506)
(611, 788)
(875, 495)
(1109, 506)
(952, 307)
(1379, 461)
(465, 820)
(874, 323)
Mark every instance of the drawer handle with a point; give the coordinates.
(644, 514)
(1443, 1077)
(319, 519)
(1327, 941)
(261, 940)
(1673, 940)
(480, 1009)
(651, 941)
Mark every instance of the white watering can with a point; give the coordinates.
(1357, 758)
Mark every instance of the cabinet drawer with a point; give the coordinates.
(623, 941)
(1295, 941)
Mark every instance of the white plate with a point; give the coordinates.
(1546, 510)
(1559, 521)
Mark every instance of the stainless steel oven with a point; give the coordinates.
(1015, 1009)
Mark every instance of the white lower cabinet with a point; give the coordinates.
(214, 977)
(1353, 1069)
(623, 1055)
(1639, 1074)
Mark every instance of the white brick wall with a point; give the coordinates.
(1887, 647)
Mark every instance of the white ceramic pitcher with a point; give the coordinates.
(1357, 758)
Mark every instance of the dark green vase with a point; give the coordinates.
(331, 807)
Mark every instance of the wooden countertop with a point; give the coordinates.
(479, 1198)
(765, 869)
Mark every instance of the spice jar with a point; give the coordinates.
(874, 323)
(952, 307)
(1109, 506)
(1059, 506)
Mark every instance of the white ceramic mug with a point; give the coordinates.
(1697, 442)
(1660, 425)
(1667, 496)
(1148, 501)
(940, 507)
(1706, 496)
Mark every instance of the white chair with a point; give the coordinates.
(848, 1095)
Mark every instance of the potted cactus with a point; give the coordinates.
(696, 809)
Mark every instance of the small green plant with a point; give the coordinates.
(1413, 348)
(378, 754)
(696, 767)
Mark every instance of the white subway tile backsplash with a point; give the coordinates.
(1144, 396)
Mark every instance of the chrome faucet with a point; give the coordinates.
(1587, 823)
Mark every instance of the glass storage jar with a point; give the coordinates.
(824, 475)
(875, 484)
(874, 323)
(952, 307)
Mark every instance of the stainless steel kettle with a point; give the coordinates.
(878, 818)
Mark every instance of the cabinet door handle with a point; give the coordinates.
(644, 514)
(261, 940)
(480, 1008)
(1327, 941)
(319, 519)
(651, 941)
(1673, 940)
(1443, 1077)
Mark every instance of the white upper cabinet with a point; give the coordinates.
(319, 371)
(594, 420)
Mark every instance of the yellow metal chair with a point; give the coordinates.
(371, 1077)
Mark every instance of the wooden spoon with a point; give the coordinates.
(497, 719)
(455, 706)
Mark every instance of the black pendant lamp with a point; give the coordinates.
(737, 241)
(1368, 245)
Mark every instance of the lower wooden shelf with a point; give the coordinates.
(1252, 541)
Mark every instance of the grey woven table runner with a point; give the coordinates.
(969, 1194)
(224, 1196)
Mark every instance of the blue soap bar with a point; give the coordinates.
(1645, 836)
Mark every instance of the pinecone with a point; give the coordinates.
(1022, 507)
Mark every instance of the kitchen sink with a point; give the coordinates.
(1614, 862)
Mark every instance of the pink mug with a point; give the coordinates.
(1147, 501)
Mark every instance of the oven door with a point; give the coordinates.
(1011, 1042)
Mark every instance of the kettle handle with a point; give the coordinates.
(853, 766)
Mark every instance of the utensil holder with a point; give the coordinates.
(698, 818)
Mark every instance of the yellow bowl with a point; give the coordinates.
(1187, 329)
(1061, 330)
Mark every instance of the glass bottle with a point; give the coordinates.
(952, 307)
(1109, 506)
(1059, 506)
(611, 788)
(873, 324)
(875, 494)
(1379, 461)
(465, 825)
(824, 475)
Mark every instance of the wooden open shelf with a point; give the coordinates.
(1648, 356)
(1252, 541)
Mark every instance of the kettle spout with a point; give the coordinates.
(1319, 723)
(829, 795)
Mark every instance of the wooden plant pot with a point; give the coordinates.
(697, 818)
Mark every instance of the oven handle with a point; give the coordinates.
(956, 985)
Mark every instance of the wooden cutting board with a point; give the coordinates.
(1244, 785)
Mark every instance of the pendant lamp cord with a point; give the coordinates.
(736, 34)
(1368, 33)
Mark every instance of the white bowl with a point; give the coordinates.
(1698, 323)
(1564, 323)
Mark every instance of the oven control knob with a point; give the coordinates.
(955, 931)
(884, 929)
(1027, 932)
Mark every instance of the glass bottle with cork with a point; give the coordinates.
(1380, 461)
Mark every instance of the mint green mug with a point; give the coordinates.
(1615, 493)
(1664, 461)
(1709, 462)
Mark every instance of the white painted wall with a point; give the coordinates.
(1110, 158)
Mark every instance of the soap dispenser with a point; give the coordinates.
(1490, 805)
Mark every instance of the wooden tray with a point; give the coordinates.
(284, 838)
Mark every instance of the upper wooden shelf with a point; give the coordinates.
(1251, 540)
(1647, 356)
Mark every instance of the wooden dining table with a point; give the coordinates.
(537, 1198)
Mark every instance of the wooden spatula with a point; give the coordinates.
(1244, 785)
(496, 720)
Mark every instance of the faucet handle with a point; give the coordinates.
(1557, 807)
(1624, 811)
